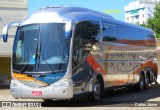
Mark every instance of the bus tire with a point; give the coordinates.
(141, 84)
(147, 80)
(97, 90)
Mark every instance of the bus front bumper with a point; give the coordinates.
(55, 91)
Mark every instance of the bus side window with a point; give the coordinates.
(110, 32)
(86, 35)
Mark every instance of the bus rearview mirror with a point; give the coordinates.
(6, 29)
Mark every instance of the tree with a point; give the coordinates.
(154, 23)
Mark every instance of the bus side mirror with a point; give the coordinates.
(6, 29)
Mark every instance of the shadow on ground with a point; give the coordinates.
(111, 98)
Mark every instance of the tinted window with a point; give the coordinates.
(124, 34)
(110, 32)
(86, 35)
(135, 34)
(150, 39)
(41, 44)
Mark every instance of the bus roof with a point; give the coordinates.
(61, 14)
(62, 11)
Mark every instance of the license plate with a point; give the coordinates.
(36, 93)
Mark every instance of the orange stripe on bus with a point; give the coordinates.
(92, 62)
(26, 78)
(149, 63)
(22, 76)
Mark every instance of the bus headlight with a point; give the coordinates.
(64, 83)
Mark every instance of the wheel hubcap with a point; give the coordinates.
(142, 84)
(97, 89)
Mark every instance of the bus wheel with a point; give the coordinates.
(147, 81)
(96, 93)
(141, 83)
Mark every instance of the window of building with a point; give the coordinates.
(149, 15)
(134, 11)
(142, 9)
(137, 17)
(127, 12)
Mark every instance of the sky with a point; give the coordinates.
(114, 8)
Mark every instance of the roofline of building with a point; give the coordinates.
(13, 5)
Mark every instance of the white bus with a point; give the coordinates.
(59, 52)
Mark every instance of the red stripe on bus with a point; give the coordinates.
(96, 67)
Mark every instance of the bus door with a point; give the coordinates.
(85, 36)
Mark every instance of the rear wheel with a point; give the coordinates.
(147, 81)
(141, 84)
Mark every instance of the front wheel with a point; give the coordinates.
(96, 91)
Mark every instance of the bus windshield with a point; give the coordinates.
(41, 47)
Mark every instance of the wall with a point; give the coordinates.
(10, 11)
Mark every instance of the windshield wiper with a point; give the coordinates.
(16, 71)
(23, 68)
(27, 64)
(39, 56)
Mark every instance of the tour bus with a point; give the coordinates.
(60, 52)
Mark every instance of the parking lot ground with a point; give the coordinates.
(113, 100)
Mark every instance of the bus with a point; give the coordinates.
(59, 52)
